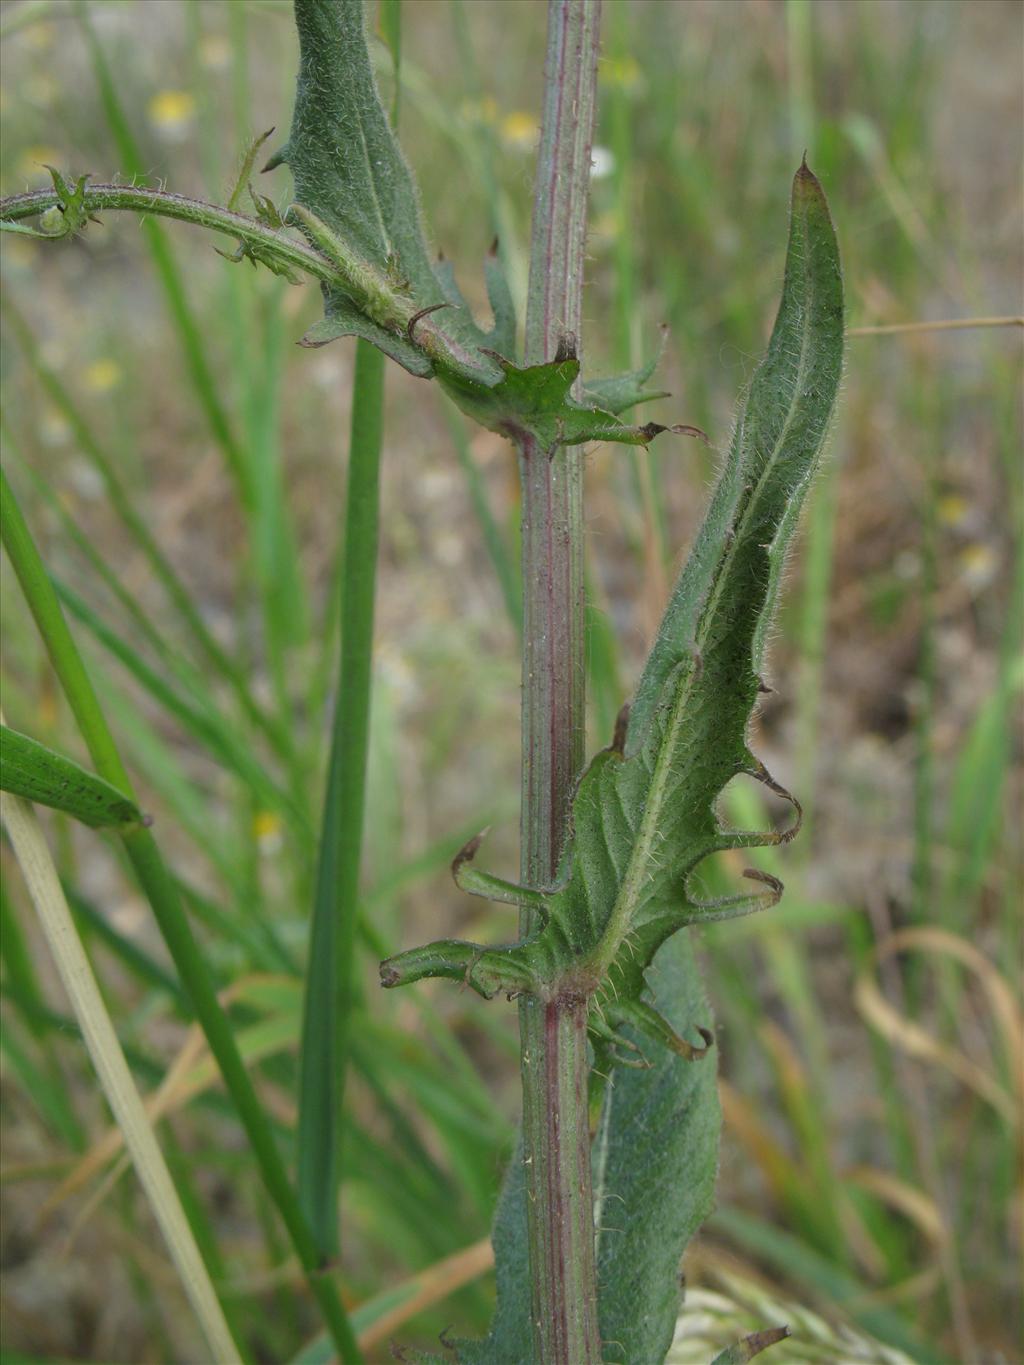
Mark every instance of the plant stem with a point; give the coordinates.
(330, 979)
(330, 975)
(288, 251)
(554, 1060)
(162, 894)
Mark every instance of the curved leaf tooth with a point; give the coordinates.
(647, 1021)
(471, 879)
(740, 902)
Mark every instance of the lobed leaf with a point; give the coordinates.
(643, 818)
(353, 184)
(645, 813)
(536, 403)
(356, 201)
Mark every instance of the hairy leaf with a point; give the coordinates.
(360, 200)
(643, 818)
(537, 401)
(356, 200)
(31, 770)
(655, 1160)
(645, 812)
(655, 1165)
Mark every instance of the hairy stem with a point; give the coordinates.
(288, 251)
(555, 1065)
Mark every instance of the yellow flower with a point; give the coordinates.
(53, 428)
(20, 253)
(605, 225)
(520, 130)
(171, 110)
(952, 509)
(102, 375)
(266, 826)
(40, 90)
(39, 36)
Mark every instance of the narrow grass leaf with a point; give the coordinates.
(163, 897)
(336, 91)
(189, 332)
(112, 1069)
(205, 724)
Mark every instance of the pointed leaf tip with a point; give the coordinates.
(468, 851)
(751, 1346)
(684, 429)
(36, 773)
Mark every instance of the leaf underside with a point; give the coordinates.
(356, 200)
(644, 816)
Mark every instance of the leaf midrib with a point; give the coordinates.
(629, 896)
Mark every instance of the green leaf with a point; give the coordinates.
(655, 1162)
(356, 201)
(644, 817)
(31, 770)
(352, 182)
(645, 813)
(537, 402)
(654, 1165)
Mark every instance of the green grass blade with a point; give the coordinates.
(274, 550)
(163, 897)
(210, 729)
(105, 1050)
(330, 975)
(189, 334)
(145, 968)
(206, 645)
(501, 557)
(47, 1091)
(17, 959)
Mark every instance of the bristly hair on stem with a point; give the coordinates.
(554, 1057)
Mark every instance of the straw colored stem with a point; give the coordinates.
(100, 1038)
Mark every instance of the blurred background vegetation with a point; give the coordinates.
(182, 461)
